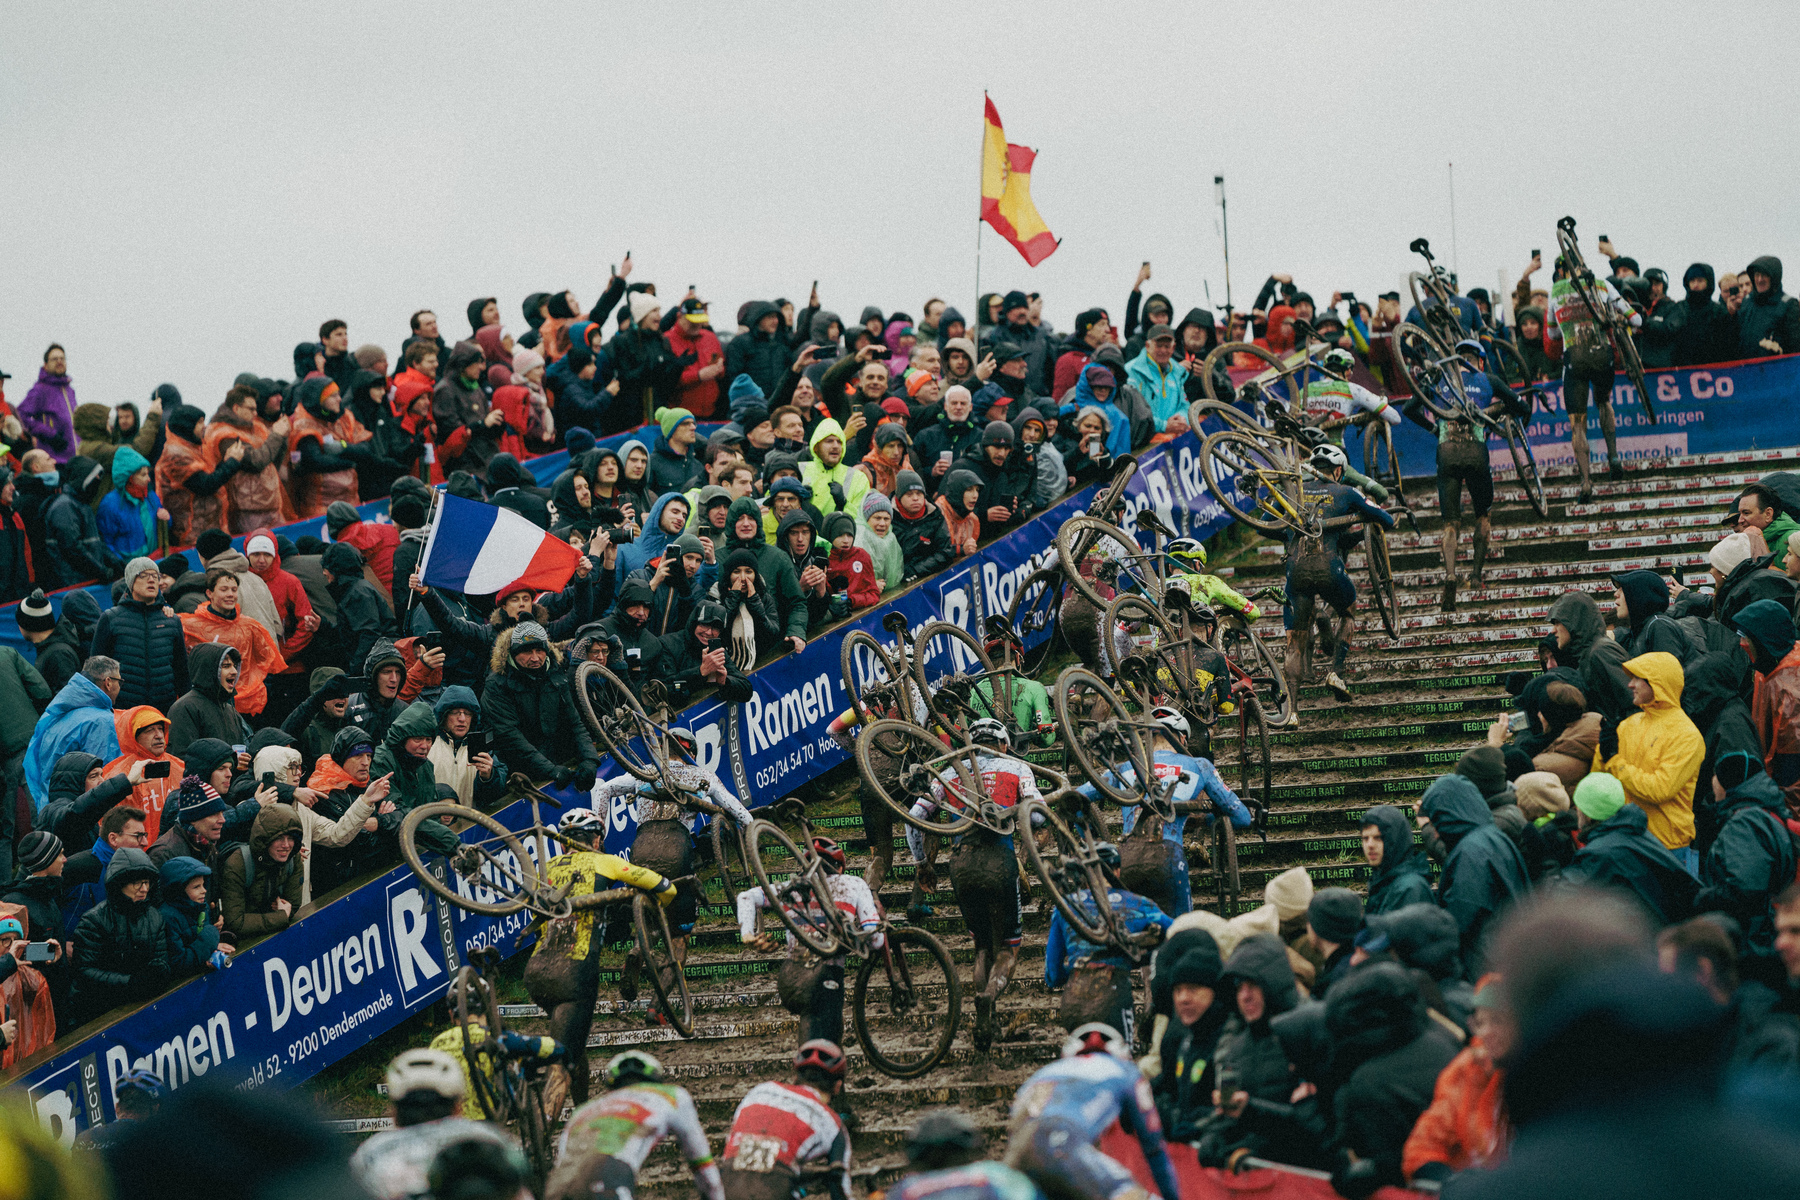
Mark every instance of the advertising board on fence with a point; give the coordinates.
(296, 1002)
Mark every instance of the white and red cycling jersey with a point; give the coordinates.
(783, 1126)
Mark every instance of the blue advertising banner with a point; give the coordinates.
(298, 1001)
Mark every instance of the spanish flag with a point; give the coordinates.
(1006, 193)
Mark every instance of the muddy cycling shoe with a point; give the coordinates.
(1447, 598)
(917, 913)
(983, 1033)
(1615, 471)
(1338, 687)
(628, 978)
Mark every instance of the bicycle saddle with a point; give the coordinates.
(1420, 246)
(1566, 224)
(1155, 524)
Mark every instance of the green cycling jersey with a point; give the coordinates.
(1217, 593)
(1031, 713)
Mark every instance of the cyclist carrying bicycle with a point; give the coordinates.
(563, 975)
(1462, 460)
(425, 1097)
(1095, 977)
(1159, 869)
(1030, 718)
(1316, 571)
(604, 1145)
(1587, 355)
(1329, 395)
(1205, 588)
(943, 1162)
(900, 701)
(780, 1129)
(1061, 1112)
(818, 985)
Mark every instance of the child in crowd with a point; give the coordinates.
(877, 537)
(957, 500)
(849, 569)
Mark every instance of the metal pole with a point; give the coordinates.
(981, 168)
(1453, 263)
(1225, 233)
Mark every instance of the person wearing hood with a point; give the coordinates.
(1387, 1057)
(774, 568)
(1766, 635)
(326, 444)
(253, 493)
(698, 657)
(209, 708)
(836, 487)
(472, 642)
(529, 707)
(953, 435)
(1483, 872)
(1704, 332)
(48, 410)
(376, 541)
(143, 736)
(363, 615)
(1196, 337)
(219, 622)
(74, 549)
(478, 778)
(885, 458)
(1098, 387)
(1618, 852)
(760, 354)
(193, 938)
(468, 429)
(1768, 322)
(1032, 432)
(103, 430)
(573, 498)
(121, 945)
(1485, 767)
(129, 512)
(20, 559)
(1189, 965)
(190, 480)
(527, 425)
(797, 540)
(647, 370)
(1401, 875)
(1256, 1082)
(677, 579)
(403, 444)
(1007, 480)
(295, 620)
(1656, 754)
(80, 793)
(78, 717)
(260, 884)
(959, 500)
(1641, 603)
(1424, 938)
(752, 623)
(1751, 859)
(1581, 641)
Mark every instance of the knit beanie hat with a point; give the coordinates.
(1599, 796)
(1541, 794)
(367, 355)
(213, 542)
(1200, 966)
(528, 634)
(917, 381)
(340, 515)
(669, 418)
(1485, 767)
(908, 481)
(408, 512)
(875, 502)
(197, 800)
(262, 543)
(34, 613)
(175, 565)
(837, 524)
(37, 850)
(997, 433)
(1335, 914)
(579, 441)
(745, 391)
(1731, 550)
(1290, 892)
(140, 564)
(642, 305)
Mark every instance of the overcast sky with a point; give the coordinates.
(190, 189)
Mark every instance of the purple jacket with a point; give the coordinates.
(48, 414)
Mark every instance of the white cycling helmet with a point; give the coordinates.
(1171, 719)
(1187, 547)
(1096, 1037)
(1337, 359)
(1328, 456)
(424, 1071)
(583, 821)
(990, 732)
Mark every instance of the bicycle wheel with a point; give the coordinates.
(533, 1135)
(807, 910)
(908, 1004)
(1223, 413)
(942, 649)
(1225, 864)
(614, 716)
(656, 949)
(1254, 767)
(1103, 734)
(497, 864)
(871, 677)
(1381, 459)
(1381, 580)
(921, 761)
(1237, 641)
(1507, 364)
(727, 844)
(1430, 370)
(1067, 865)
(1285, 386)
(1150, 635)
(1033, 614)
(1080, 536)
(1525, 465)
(1257, 483)
(473, 1004)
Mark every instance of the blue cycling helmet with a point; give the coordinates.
(1472, 344)
(141, 1080)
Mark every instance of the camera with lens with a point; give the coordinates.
(611, 521)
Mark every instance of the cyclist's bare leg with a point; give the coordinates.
(1297, 665)
(1484, 528)
(1579, 443)
(983, 964)
(1452, 540)
(1607, 426)
(1343, 629)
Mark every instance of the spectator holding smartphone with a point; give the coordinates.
(460, 755)
(30, 1022)
(261, 884)
(146, 762)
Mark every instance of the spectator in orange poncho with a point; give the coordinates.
(218, 621)
(190, 480)
(144, 738)
(254, 495)
(325, 444)
(1466, 1124)
(30, 1023)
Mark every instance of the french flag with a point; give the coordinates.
(481, 550)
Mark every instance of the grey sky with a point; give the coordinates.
(190, 190)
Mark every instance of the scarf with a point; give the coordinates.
(885, 474)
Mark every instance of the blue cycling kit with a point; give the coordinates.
(1069, 1105)
(1193, 776)
(1067, 947)
(1336, 590)
(972, 1181)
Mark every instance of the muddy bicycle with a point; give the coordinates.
(1604, 315)
(508, 1088)
(907, 998)
(496, 873)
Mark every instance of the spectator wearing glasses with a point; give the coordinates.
(121, 945)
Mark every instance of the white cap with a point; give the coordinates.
(262, 543)
(1733, 549)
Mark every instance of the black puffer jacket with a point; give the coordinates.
(532, 716)
(207, 711)
(764, 357)
(121, 946)
(1716, 692)
(930, 443)
(73, 812)
(1771, 316)
(74, 549)
(924, 541)
(153, 659)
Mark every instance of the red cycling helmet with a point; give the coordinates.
(824, 1055)
(832, 853)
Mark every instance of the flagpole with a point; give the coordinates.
(1225, 233)
(980, 166)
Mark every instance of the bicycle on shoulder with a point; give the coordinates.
(1606, 309)
(907, 997)
(506, 1071)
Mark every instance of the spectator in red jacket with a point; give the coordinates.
(849, 568)
(703, 360)
(377, 542)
